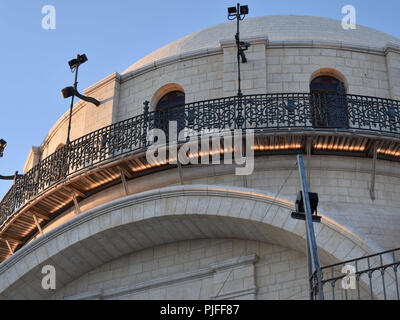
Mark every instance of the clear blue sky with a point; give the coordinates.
(114, 34)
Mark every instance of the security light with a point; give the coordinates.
(81, 59)
(71, 92)
(67, 92)
(313, 201)
(244, 9)
(299, 204)
(232, 10)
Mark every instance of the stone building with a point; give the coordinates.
(116, 227)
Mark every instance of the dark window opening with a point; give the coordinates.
(328, 103)
(171, 107)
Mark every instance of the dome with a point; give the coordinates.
(276, 28)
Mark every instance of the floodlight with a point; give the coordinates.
(244, 9)
(71, 91)
(313, 202)
(232, 10)
(67, 92)
(81, 59)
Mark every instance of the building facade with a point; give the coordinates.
(115, 226)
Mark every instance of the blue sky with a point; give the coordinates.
(113, 34)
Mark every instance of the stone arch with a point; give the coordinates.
(143, 220)
(330, 72)
(163, 91)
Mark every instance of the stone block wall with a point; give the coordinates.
(198, 269)
(292, 69)
(200, 78)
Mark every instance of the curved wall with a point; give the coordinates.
(85, 250)
(342, 183)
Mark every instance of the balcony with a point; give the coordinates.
(283, 124)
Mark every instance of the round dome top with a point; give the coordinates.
(276, 28)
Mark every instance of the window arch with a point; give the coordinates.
(328, 102)
(171, 100)
(326, 85)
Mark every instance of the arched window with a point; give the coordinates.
(326, 85)
(171, 108)
(328, 103)
(171, 100)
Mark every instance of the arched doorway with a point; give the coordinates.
(329, 108)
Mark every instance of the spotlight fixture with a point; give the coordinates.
(237, 12)
(244, 9)
(74, 63)
(299, 204)
(71, 91)
(3, 144)
(232, 10)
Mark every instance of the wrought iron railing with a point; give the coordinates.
(374, 277)
(264, 112)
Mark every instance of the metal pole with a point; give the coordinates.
(72, 102)
(238, 48)
(312, 249)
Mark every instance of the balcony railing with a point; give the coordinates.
(264, 112)
(374, 277)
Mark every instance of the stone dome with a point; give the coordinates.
(276, 28)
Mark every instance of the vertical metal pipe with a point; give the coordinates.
(238, 47)
(72, 102)
(333, 284)
(370, 280)
(383, 277)
(311, 241)
(358, 281)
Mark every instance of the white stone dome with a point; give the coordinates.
(276, 28)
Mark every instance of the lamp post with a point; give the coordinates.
(73, 91)
(74, 65)
(239, 12)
